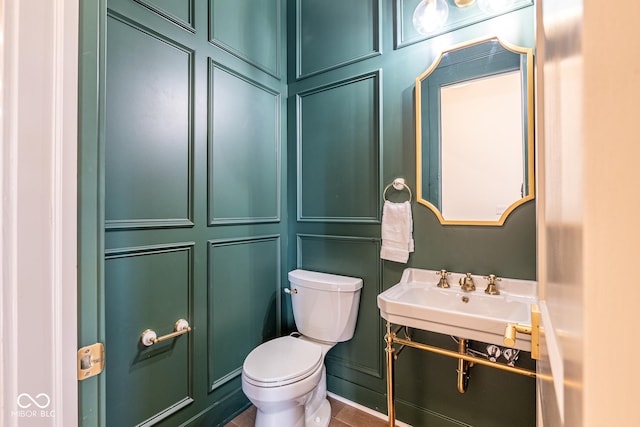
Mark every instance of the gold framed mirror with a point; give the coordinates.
(474, 132)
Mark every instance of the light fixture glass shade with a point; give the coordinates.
(463, 3)
(494, 6)
(430, 15)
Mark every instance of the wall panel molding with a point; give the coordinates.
(357, 257)
(147, 223)
(145, 150)
(241, 297)
(244, 149)
(327, 27)
(339, 151)
(130, 251)
(256, 44)
(186, 22)
(135, 280)
(406, 35)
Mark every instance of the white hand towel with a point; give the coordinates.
(397, 232)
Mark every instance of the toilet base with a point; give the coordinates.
(295, 417)
(317, 408)
(321, 417)
(313, 411)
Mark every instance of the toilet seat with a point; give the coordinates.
(282, 361)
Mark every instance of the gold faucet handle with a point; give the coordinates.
(492, 289)
(443, 283)
(492, 279)
(443, 273)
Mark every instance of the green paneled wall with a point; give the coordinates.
(190, 191)
(244, 140)
(327, 132)
(351, 256)
(131, 275)
(338, 146)
(244, 302)
(244, 149)
(250, 30)
(149, 128)
(178, 11)
(458, 19)
(324, 24)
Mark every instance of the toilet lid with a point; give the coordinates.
(282, 360)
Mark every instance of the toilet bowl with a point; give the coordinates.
(279, 378)
(285, 378)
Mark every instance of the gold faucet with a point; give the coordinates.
(443, 283)
(492, 289)
(466, 283)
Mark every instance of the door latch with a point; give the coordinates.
(90, 361)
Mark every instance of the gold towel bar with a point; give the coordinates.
(149, 336)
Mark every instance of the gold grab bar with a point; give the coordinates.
(149, 336)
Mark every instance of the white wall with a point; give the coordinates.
(38, 109)
(589, 87)
(612, 207)
(560, 209)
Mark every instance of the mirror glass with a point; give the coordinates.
(474, 133)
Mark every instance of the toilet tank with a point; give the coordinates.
(325, 306)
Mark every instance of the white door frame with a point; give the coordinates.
(38, 212)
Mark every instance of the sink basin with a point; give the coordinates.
(418, 303)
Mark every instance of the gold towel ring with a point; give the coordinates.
(399, 185)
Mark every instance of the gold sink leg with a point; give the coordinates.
(391, 405)
(463, 366)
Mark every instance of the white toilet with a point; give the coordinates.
(285, 378)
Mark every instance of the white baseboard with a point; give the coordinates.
(365, 409)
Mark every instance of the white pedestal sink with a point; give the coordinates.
(417, 302)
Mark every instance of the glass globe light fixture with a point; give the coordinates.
(430, 15)
(464, 3)
(494, 6)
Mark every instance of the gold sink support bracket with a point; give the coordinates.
(463, 366)
(465, 361)
(389, 350)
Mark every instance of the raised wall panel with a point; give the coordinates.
(148, 287)
(180, 12)
(244, 149)
(244, 302)
(148, 130)
(339, 150)
(425, 395)
(356, 257)
(458, 18)
(333, 33)
(256, 41)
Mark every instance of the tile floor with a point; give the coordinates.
(342, 415)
